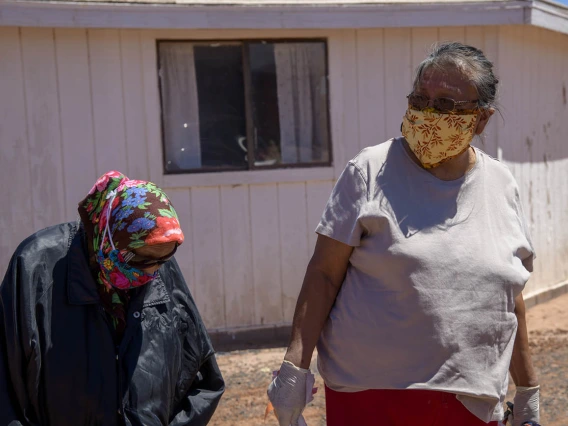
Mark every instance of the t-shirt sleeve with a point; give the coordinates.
(341, 218)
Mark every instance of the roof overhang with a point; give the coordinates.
(549, 15)
(320, 14)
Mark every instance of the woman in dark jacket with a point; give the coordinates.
(97, 325)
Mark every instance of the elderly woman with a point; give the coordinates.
(413, 294)
(97, 326)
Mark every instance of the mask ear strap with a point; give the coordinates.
(107, 228)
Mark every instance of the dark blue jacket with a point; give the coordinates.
(59, 364)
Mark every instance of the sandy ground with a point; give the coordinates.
(247, 374)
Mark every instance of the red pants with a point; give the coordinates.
(397, 408)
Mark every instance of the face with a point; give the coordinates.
(455, 85)
(157, 251)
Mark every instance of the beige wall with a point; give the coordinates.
(76, 103)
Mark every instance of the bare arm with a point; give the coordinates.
(324, 276)
(521, 367)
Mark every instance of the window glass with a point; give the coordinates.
(221, 100)
(289, 90)
(243, 105)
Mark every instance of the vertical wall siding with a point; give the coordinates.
(237, 256)
(208, 259)
(108, 101)
(76, 116)
(266, 253)
(43, 125)
(16, 212)
(83, 102)
(532, 140)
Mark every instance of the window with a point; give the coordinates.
(243, 105)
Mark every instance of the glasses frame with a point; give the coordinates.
(432, 102)
(129, 256)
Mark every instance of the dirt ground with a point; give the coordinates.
(248, 373)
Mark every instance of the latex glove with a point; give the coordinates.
(526, 405)
(289, 393)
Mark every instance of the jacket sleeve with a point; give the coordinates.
(205, 392)
(17, 355)
(9, 412)
(203, 396)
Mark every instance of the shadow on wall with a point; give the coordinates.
(539, 134)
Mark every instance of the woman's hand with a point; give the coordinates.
(289, 393)
(291, 390)
(526, 405)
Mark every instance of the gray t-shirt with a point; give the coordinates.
(428, 298)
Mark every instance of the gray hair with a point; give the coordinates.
(468, 59)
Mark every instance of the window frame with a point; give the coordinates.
(251, 167)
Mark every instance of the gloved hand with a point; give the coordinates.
(289, 393)
(526, 405)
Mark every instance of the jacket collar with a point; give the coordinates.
(156, 293)
(82, 287)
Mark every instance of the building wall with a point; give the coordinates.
(76, 103)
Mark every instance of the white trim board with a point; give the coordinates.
(291, 16)
(541, 296)
(248, 177)
(551, 16)
(542, 13)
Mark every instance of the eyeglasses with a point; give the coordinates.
(421, 102)
(139, 262)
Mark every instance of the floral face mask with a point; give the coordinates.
(114, 269)
(438, 137)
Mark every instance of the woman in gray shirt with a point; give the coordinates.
(414, 292)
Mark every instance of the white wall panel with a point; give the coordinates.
(266, 254)
(560, 192)
(398, 77)
(153, 119)
(134, 107)
(181, 200)
(371, 87)
(294, 242)
(16, 218)
(73, 76)
(350, 106)
(82, 103)
(336, 96)
(237, 259)
(208, 255)
(44, 131)
(452, 34)
(491, 50)
(530, 140)
(108, 103)
(475, 36)
(529, 148)
(423, 39)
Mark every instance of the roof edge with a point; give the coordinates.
(550, 15)
(292, 16)
(541, 13)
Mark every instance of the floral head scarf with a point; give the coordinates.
(119, 216)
